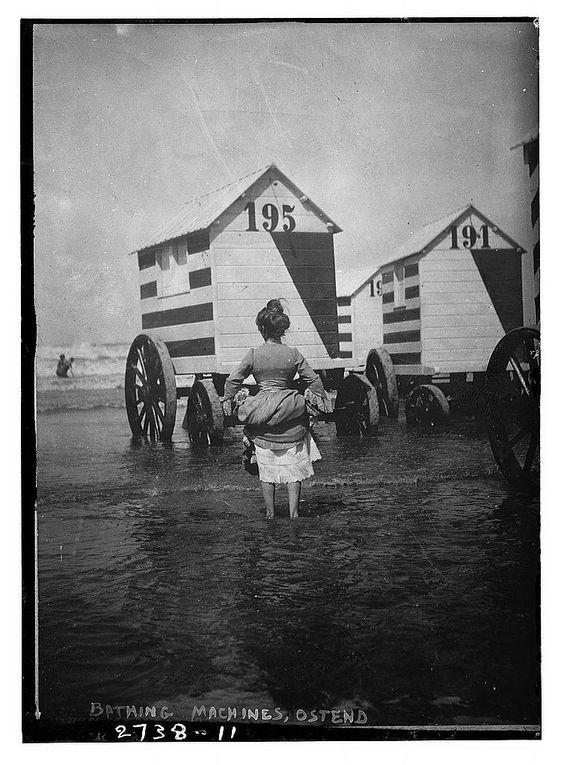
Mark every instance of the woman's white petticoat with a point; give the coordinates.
(287, 465)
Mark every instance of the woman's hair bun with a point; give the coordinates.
(272, 320)
(274, 306)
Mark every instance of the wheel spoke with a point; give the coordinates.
(511, 409)
(157, 421)
(513, 374)
(141, 357)
(151, 377)
(139, 373)
(519, 372)
(158, 411)
(531, 451)
(535, 359)
(150, 390)
(149, 372)
(519, 437)
(154, 367)
(151, 425)
(144, 419)
(147, 422)
(532, 352)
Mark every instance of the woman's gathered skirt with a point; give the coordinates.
(287, 465)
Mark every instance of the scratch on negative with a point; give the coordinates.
(257, 79)
(291, 66)
(206, 131)
(429, 561)
(78, 534)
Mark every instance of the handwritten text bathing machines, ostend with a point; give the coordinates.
(249, 714)
(228, 714)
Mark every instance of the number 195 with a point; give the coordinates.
(271, 217)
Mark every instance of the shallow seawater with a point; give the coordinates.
(407, 588)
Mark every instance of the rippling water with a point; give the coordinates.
(407, 588)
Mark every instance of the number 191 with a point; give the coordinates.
(469, 237)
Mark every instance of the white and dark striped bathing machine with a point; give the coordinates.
(206, 273)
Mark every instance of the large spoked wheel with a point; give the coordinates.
(426, 405)
(150, 389)
(204, 414)
(331, 378)
(380, 372)
(513, 384)
(356, 407)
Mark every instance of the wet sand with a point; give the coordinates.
(407, 588)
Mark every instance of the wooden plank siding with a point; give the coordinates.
(346, 327)
(322, 292)
(460, 324)
(235, 267)
(457, 300)
(184, 320)
(531, 160)
(239, 221)
(148, 290)
(251, 267)
(270, 190)
(366, 320)
(401, 332)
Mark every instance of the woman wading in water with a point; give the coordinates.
(276, 419)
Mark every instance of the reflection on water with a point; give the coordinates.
(407, 588)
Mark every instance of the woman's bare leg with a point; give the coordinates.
(294, 491)
(268, 495)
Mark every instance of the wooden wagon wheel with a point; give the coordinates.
(331, 378)
(150, 389)
(380, 371)
(513, 386)
(356, 407)
(204, 414)
(426, 405)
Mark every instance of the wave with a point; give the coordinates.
(83, 351)
(73, 394)
(97, 368)
(95, 381)
(89, 359)
(78, 406)
(229, 487)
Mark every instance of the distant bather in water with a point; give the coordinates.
(64, 366)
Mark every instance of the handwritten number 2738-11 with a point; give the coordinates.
(271, 217)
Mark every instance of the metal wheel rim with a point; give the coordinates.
(355, 394)
(424, 406)
(197, 421)
(205, 415)
(363, 414)
(150, 399)
(513, 379)
(377, 376)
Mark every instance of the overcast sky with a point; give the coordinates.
(385, 126)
